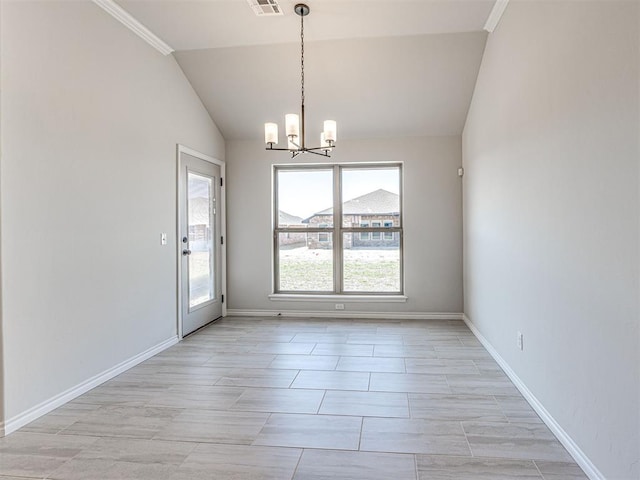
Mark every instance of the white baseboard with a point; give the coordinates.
(574, 450)
(28, 416)
(342, 314)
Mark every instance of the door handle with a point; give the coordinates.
(186, 252)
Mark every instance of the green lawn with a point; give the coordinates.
(364, 271)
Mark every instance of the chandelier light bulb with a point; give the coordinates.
(323, 143)
(292, 124)
(330, 130)
(271, 133)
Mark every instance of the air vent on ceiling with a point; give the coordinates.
(265, 7)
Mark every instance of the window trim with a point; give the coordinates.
(337, 231)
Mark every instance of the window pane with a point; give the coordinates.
(306, 265)
(200, 218)
(370, 194)
(369, 266)
(305, 198)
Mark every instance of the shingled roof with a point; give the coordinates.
(378, 202)
(285, 218)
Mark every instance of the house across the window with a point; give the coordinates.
(370, 210)
(291, 238)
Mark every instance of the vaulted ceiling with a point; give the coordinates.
(378, 67)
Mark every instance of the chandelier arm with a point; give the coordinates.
(299, 151)
(295, 144)
(312, 150)
(317, 148)
(280, 149)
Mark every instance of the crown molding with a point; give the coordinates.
(124, 17)
(495, 15)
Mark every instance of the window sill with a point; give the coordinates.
(293, 297)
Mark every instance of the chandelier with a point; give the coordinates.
(293, 125)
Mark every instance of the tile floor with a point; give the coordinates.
(283, 398)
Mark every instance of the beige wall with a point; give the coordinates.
(432, 216)
(91, 116)
(551, 213)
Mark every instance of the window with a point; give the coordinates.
(323, 237)
(388, 236)
(375, 235)
(364, 235)
(350, 220)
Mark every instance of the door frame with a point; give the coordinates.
(180, 149)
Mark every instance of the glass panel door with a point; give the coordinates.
(200, 205)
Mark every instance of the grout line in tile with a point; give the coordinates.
(466, 439)
(321, 402)
(294, 379)
(295, 470)
(538, 469)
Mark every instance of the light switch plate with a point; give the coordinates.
(163, 239)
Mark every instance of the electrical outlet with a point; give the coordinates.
(520, 341)
(339, 306)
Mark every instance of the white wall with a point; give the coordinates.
(551, 213)
(91, 116)
(432, 217)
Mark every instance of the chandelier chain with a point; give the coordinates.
(302, 55)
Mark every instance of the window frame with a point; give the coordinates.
(338, 230)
